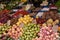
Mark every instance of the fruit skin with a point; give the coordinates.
(4, 28)
(25, 20)
(15, 32)
(29, 31)
(47, 33)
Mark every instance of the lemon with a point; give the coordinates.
(31, 19)
(28, 15)
(20, 21)
(25, 18)
(25, 22)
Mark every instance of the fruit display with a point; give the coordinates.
(15, 32)
(52, 14)
(19, 21)
(25, 20)
(46, 33)
(28, 28)
(4, 28)
(30, 31)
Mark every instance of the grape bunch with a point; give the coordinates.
(30, 31)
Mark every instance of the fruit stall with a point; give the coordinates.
(20, 20)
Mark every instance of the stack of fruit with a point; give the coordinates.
(30, 31)
(15, 32)
(3, 29)
(26, 19)
(46, 33)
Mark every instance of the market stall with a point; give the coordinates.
(20, 20)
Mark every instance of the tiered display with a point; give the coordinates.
(26, 29)
(25, 24)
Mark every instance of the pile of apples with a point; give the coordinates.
(25, 20)
(46, 33)
(15, 32)
(30, 31)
